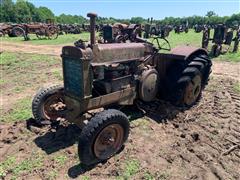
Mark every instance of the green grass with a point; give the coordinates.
(236, 87)
(233, 57)
(10, 166)
(195, 39)
(61, 40)
(6, 165)
(131, 168)
(60, 159)
(20, 111)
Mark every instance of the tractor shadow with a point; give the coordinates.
(159, 111)
(55, 137)
(58, 136)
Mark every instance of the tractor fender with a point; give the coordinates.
(188, 51)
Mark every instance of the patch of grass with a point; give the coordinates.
(28, 165)
(234, 57)
(61, 159)
(7, 58)
(6, 165)
(57, 74)
(2, 81)
(52, 174)
(21, 111)
(148, 176)
(236, 87)
(61, 40)
(131, 168)
(85, 178)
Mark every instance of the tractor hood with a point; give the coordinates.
(103, 53)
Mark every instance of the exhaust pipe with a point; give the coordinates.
(92, 17)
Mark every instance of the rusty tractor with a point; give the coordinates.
(42, 30)
(100, 75)
(118, 33)
(8, 29)
(181, 28)
(222, 36)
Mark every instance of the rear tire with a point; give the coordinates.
(192, 80)
(103, 136)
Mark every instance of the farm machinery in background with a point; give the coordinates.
(69, 28)
(118, 33)
(9, 29)
(151, 29)
(181, 28)
(100, 76)
(222, 39)
(42, 30)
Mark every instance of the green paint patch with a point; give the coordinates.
(20, 111)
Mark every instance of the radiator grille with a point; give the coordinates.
(73, 77)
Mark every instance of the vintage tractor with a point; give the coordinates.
(98, 76)
(222, 36)
(42, 30)
(118, 32)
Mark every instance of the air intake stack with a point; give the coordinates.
(92, 17)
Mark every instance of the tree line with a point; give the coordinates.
(23, 11)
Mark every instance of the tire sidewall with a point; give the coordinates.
(85, 145)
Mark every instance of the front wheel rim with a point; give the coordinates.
(108, 141)
(53, 107)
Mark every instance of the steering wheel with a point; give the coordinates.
(164, 45)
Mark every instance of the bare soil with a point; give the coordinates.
(28, 48)
(202, 142)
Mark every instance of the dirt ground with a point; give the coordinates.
(164, 143)
(28, 48)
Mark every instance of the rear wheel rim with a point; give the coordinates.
(192, 90)
(108, 141)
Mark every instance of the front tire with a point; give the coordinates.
(103, 136)
(48, 104)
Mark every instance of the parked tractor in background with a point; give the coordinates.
(42, 30)
(181, 28)
(98, 75)
(119, 32)
(222, 39)
(151, 29)
(8, 29)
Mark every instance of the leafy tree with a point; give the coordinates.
(7, 13)
(43, 13)
(210, 14)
